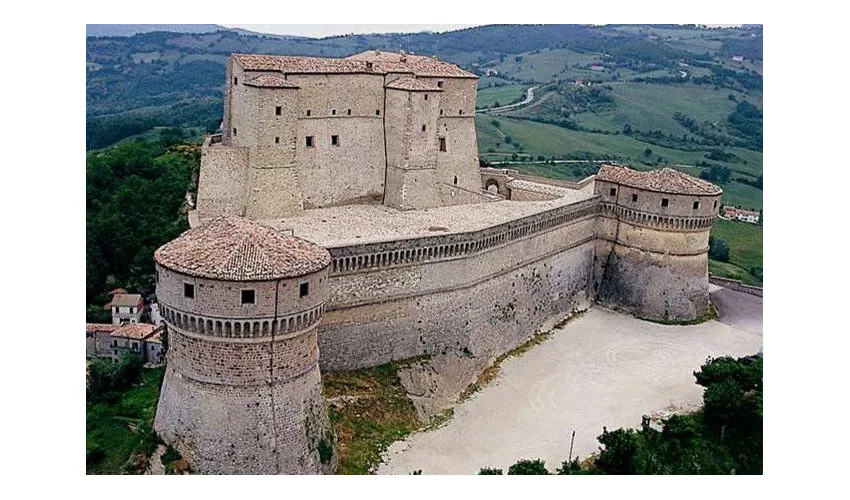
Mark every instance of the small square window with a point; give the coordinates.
(423, 128)
(189, 290)
(442, 143)
(308, 112)
(278, 110)
(426, 97)
(715, 204)
(440, 84)
(304, 289)
(441, 112)
(235, 81)
(333, 112)
(334, 140)
(349, 112)
(460, 111)
(309, 141)
(234, 131)
(665, 202)
(613, 192)
(248, 297)
(696, 205)
(377, 112)
(634, 198)
(277, 140)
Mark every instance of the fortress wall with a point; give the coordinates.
(460, 157)
(222, 181)
(650, 201)
(363, 94)
(484, 293)
(257, 429)
(458, 95)
(215, 299)
(243, 107)
(525, 195)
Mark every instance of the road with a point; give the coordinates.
(529, 96)
(602, 369)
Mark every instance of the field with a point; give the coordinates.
(500, 96)
(745, 242)
(117, 432)
(547, 64)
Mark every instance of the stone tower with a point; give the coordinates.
(652, 252)
(242, 392)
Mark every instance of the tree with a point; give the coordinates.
(487, 471)
(627, 129)
(528, 468)
(718, 249)
(647, 152)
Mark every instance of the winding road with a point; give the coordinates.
(529, 96)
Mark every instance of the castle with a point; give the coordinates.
(343, 221)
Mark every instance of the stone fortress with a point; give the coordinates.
(343, 221)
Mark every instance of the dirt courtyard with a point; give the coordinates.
(602, 369)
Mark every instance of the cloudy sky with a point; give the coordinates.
(323, 30)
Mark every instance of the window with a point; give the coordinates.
(612, 192)
(423, 128)
(308, 112)
(304, 289)
(665, 202)
(377, 112)
(234, 131)
(334, 140)
(715, 204)
(135, 346)
(333, 112)
(441, 112)
(460, 111)
(277, 140)
(189, 290)
(696, 205)
(116, 311)
(442, 143)
(349, 112)
(426, 97)
(235, 81)
(440, 84)
(115, 344)
(455, 180)
(309, 141)
(634, 198)
(248, 297)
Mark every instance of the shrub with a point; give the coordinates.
(528, 468)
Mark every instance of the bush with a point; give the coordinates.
(106, 379)
(718, 249)
(487, 471)
(528, 468)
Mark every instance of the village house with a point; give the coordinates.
(113, 341)
(735, 213)
(126, 308)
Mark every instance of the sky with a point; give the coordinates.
(323, 30)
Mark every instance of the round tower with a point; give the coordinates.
(242, 392)
(652, 254)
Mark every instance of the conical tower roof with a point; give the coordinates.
(236, 249)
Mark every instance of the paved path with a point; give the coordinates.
(603, 369)
(529, 96)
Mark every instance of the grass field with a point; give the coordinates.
(745, 242)
(370, 410)
(506, 94)
(546, 65)
(119, 430)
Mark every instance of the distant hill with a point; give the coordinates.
(133, 29)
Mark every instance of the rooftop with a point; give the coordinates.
(412, 85)
(126, 300)
(370, 61)
(236, 249)
(665, 180)
(136, 331)
(271, 81)
(358, 224)
(100, 327)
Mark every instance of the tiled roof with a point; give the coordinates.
(300, 64)
(412, 85)
(271, 81)
(136, 331)
(236, 249)
(100, 327)
(156, 337)
(370, 61)
(126, 299)
(665, 180)
(394, 62)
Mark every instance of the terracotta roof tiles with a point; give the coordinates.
(412, 85)
(236, 249)
(665, 180)
(100, 327)
(271, 81)
(136, 331)
(126, 299)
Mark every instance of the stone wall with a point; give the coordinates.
(736, 285)
(222, 182)
(482, 292)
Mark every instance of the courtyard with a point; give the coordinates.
(603, 368)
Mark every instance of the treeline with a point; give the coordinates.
(134, 203)
(725, 437)
(104, 130)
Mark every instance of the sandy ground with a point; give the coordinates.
(602, 369)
